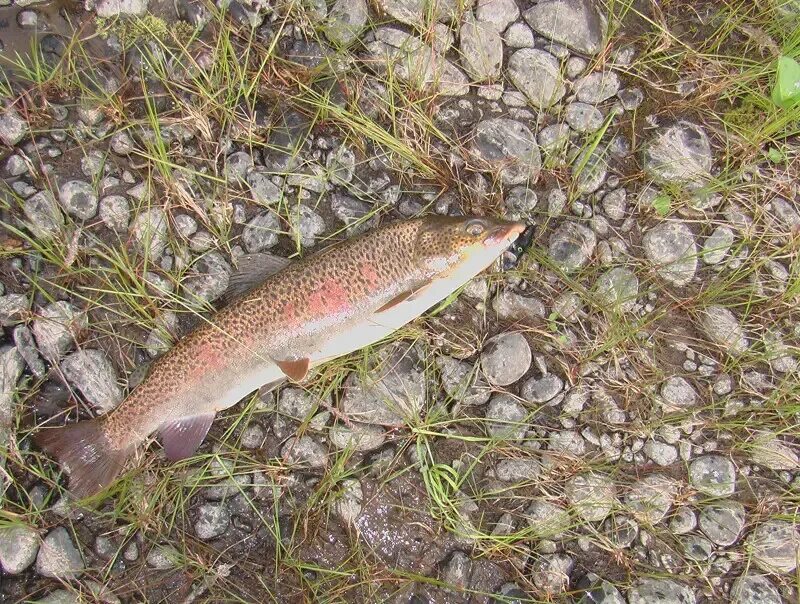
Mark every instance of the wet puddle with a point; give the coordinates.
(42, 25)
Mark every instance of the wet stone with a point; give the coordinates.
(590, 169)
(768, 451)
(722, 327)
(12, 127)
(775, 546)
(505, 418)
(722, 521)
(349, 501)
(683, 521)
(630, 98)
(43, 214)
(583, 118)
(18, 548)
(212, 521)
(621, 530)
(597, 87)
(55, 327)
(346, 20)
(308, 225)
(754, 589)
(679, 154)
(717, 245)
(462, 383)
(13, 309)
(592, 496)
(541, 390)
(208, 279)
(670, 247)
(149, 233)
(618, 289)
(264, 191)
(357, 437)
(577, 24)
(481, 50)
(697, 548)
(305, 451)
(23, 339)
(261, 232)
(506, 358)
(550, 574)
(546, 519)
(650, 498)
(509, 148)
(661, 453)
(92, 373)
(660, 591)
(113, 8)
(115, 212)
(537, 74)
(713, 475)
(678, 394)
(237, 166)
(58, 557)
(571, 246)
(515, 307)
(553, 139)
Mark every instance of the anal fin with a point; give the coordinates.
(296, 370)
(182, 437)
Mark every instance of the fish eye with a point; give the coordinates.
(475, 228)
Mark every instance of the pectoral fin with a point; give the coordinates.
(296, 370)
(182, 437)
(406, 296)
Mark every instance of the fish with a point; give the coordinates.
(284, 318)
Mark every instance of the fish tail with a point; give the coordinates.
(86, 453)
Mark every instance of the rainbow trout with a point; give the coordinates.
(304, 313)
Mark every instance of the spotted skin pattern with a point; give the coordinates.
(294, 312)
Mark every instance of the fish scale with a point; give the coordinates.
(343, 298)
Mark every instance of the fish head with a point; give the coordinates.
(448, 243)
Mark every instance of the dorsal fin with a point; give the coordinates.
(252, 270)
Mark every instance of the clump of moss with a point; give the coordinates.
(147, 28)
(749, 114)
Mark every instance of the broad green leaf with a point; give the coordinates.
(661, 204)
(786, 92)
(775, 155)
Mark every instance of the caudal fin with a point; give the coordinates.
(86, 454)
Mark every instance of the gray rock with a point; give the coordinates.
(621, 530)
(506, 358)
(357, 437)
(713, 475)
(768, 451)
(113, 8)
(462, 383)
(456, 571)
(185, 225)
(55, 328)
(23, 339)
(630, 98)
(391, 391)
(58, 557)
(575, 66)
(591, 496)
(597, 87)
(537, 74)
(599, 591)
(660, 591)
(546, 519)
(253, 436)
(571, 246)
(208, 279)
(59, 596)
(505, 418)
(650, 498)
(518, 470)
(679, 154)
(13, 309)
(583, 117)
(18, 548)
(11, 366)
(618, 289)
(12, 127)
(553, 139)
(683, 521)
(346, 21)
(264, 191)
(754, 589)
(577, 24)
(521, 202)
(722, 327)
(44, 218)
(497, 14)
(775, 546)
(697, 548)
(297, 404)
(419, 13)
(717, 245)
(341, 165)
(351, 212)
(543, 389)
(349, 501)
(149, 233)
(722, 521)
(677, 394)
(563, 443)
(307, 225)
(550, 574)
(414, 62)
(163, 557)
(237, 166)
(670, 247)
(261, 232)
(92, 373)
(481, 50)
(115, 212)
(590, 169)
(615, 204)
(305, 451)
(508, 148)
(16, 165)
(212, 521)
(662, 454)
(121, 143)
(512, 306)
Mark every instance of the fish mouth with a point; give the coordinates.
(504, 233)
